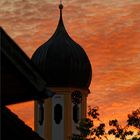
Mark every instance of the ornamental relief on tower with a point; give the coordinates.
(76, 97)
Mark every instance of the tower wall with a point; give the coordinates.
(58, 109)
(67, 126)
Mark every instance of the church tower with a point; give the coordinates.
(67, 71)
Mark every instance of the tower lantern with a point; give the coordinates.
(67, 71)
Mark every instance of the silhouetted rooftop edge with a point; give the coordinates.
(14, 128)
(14, 57)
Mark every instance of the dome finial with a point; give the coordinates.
(60, 5)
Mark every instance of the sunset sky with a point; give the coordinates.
(109, 32)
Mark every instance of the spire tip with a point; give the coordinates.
(60, 5)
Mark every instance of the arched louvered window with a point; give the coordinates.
(41, 111)
(76, 113)
(58, 113)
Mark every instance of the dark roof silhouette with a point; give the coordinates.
(62, 61)
(15, 129)
(21, 81)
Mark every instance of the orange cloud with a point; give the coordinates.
(109, 31)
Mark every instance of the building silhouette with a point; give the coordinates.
(59, 69)
(67, 71)
(20, 82)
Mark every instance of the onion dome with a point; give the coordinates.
(62, 61)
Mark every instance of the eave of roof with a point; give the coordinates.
(21, 61)
(13, 127)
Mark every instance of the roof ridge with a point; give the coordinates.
(21, 124)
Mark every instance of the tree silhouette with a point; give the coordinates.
(90, 131)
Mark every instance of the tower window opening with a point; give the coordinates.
(41, 111)
(58, 113)
(76, 113)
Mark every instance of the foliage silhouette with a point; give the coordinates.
(90, 131)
